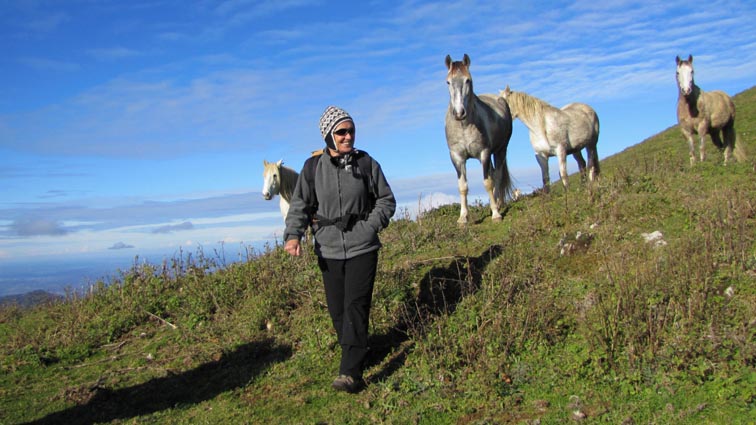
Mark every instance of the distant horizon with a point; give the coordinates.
(57, 274)
(54, 273)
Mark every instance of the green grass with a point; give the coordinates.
(488, 323)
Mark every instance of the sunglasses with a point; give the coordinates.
(344, 131)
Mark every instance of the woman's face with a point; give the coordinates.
(343, 137)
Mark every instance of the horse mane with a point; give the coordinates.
(288, 182)
(691, 100)
(527, 106)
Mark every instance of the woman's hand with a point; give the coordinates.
(293, 247)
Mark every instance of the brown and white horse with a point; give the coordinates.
(477, 127)
(702, 113)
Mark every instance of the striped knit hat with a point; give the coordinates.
(332, 117)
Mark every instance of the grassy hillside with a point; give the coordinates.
(560, 312)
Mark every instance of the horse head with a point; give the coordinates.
(504, 96)
(459, 80)
(685, 75)
(271, 179)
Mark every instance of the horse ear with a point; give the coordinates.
(507, 90)
(280, 161)
(448, 61)
(466, 60)
(677, 59)
(265, 162)
(690, 59)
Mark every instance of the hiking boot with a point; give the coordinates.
(348, 384)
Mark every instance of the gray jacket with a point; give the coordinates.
(340, 191)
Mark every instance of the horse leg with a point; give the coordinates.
(702, 131)
(580, 162)
(562, 155)
(717, 140)
(488, 182)
(498, 193)
(593, 162)
(543, 162)
(702, 147)
(460, 166)
(688, 134)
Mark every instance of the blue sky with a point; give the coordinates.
(139, 128)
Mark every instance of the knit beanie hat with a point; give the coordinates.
(332, 117)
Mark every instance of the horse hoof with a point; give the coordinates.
(496, 219)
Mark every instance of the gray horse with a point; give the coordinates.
(557, 132)
(477, 127)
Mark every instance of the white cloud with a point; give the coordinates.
(29, 226)
(170, 228)
(121, 245)
(587, 51)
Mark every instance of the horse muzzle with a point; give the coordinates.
(267, 196)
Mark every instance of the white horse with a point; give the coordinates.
(557, 132)
(279, 180)
(702, 113)
(477, 127)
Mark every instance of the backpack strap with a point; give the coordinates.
(365, 164)
(308, 173)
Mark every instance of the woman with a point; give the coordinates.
(345, 197)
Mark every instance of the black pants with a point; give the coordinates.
(349, 293)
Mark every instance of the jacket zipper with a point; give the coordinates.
(341, 209)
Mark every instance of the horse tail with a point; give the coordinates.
(740, 151)
(502, 178)
(593, 157)
(503, 186)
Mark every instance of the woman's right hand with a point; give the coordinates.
(293, 247)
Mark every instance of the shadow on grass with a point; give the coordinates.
(441, 290)
(233, 370)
